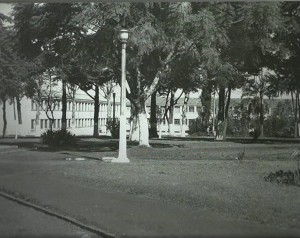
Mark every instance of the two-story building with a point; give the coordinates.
(80, 116)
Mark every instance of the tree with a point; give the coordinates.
(285, 60)
(249, 27)
(257, 87)
(108, 89)
(178, 27)
(185, 75)
(14, 71)
(49, 96)
(47, 32)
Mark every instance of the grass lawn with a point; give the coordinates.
(199, 174)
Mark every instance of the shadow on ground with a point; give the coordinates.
(241, 140)
(107, 145)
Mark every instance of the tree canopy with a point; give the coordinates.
(182, 45)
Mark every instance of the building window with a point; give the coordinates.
(54, 123)
(46, 123)
(32, 124)
(33, 106)
(102, 122)
(177, 121)
(191, 109)
(58, 123)
(177, 109)
(42, 123)
(69, 123)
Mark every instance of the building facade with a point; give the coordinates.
(80, 116)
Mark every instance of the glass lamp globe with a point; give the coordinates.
(124, 35)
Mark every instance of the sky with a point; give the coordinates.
(5, 8)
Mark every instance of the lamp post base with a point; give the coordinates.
(115, 160)
(120, 160)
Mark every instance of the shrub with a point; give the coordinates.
(282, 177)
(256, 133)
(58, 138)
(197, 127)
(113, 128)
(279, 126)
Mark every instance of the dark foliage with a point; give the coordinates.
(197, 127)
(114, 128)
(282, 177)
(255, 133)
(58, 138)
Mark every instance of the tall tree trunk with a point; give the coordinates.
(73, 108)
(295, 111)
(153, 116)
(51, 121)
(298, 126)
(96, 112)
(4, 117)
(171, 117)
(109, 107)
(134, 130)
(261, 115)
(19, 111)
(297, 114)
(37, 117)
(64, 106)
(113, 128)
(139, 126)
(143, 124)
(15, 119)
(183, 115)
(206, 105)
(226, 114)
(220, 125)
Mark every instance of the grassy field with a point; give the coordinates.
(199, 174)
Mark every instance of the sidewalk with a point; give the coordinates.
(121, 214)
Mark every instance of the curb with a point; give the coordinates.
(57, 215)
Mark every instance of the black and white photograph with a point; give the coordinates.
(150, 119)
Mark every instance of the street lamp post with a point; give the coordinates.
(122, 157)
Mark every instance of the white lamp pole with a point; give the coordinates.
(122, 158)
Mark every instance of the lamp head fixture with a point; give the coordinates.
(123, 35)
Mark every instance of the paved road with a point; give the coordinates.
(20, 221)
(31, 174)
